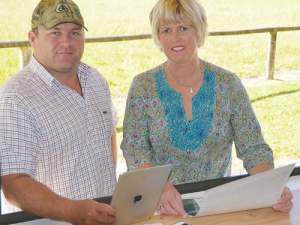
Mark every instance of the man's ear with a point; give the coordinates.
(32, 38)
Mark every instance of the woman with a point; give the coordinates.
(188, 112)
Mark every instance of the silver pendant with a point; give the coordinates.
(191, 91)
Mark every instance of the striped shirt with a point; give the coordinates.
(56, 136)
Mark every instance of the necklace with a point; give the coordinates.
(182, 84)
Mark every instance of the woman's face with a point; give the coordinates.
(178, 41)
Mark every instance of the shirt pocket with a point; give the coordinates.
(101, 122)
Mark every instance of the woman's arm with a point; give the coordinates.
(261, 168)
(249, 142)
(170, 202)
(136, 145)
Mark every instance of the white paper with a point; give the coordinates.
(256, 191)
(43, 222)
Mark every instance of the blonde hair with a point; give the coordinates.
(167, 11)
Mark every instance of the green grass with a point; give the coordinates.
(277, 106)
(278, 110)
(244, 54)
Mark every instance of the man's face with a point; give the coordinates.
(60, 48)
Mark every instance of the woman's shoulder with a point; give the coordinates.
(221, 74)
(147, 76)
(145, 83)
(150, 72)
(217, 69)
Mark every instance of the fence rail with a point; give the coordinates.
(26, 50)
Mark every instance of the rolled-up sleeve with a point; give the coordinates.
(136, 144)
(249, 142)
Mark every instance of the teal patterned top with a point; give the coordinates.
(156, 129)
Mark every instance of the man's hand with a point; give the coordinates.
(91, 212)
(170, 202)
(284, 204)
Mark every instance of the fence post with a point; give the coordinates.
(25, 55)
(271, 55)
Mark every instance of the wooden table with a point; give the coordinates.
(264, 216)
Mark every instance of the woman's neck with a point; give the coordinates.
(186, 73)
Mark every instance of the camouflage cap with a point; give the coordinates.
(50, 13)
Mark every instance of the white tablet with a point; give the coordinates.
(138, 192)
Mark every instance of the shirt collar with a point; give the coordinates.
(83, 72)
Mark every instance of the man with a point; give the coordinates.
(57, 125)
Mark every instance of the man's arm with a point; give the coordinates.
(34, 197)
(114, 146)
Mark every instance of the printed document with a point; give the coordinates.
(256, 191)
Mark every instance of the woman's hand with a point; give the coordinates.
(170, 202)
(284, 204)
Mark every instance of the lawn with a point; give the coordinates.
(277, 106)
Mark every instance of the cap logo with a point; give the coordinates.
(60, 8)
